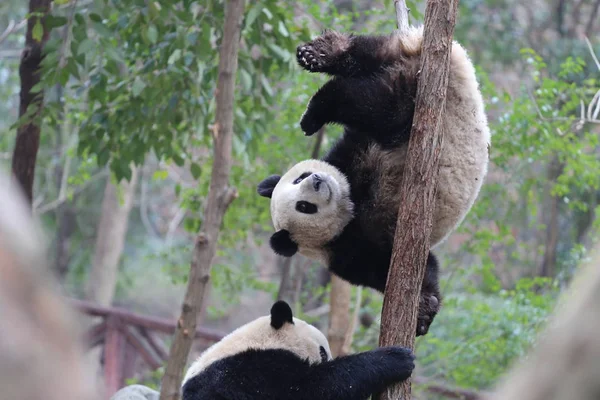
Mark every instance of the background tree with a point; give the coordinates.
(220, 195)
(28, 133)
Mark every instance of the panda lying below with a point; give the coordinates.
(280, 357)
(343, 210)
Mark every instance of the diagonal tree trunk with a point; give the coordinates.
(220, 195)
(28, 133)
(411, 241)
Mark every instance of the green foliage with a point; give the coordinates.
(477, 336)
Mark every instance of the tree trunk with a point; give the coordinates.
(220, 195)
(28, 132)
(286, 285)
(411, 242)
(110, 240)
(548, 267)
(566, 362)
(339, 314)
(66, 223)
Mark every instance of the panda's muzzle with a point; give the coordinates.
(316, 181)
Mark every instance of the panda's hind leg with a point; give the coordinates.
(341, 54)
(431, 298)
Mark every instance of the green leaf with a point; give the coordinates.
(160, 175)
(246, 79)
(85, 46)
(54, 21)
(282, 29)
(152, 34)
(266, 85)
(195, 170)
(138, 86)
(174, 57)
(38, 31)
(267, 12)
(252, 14)
(95, 17)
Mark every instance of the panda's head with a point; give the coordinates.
(310, 205)
(280, 330)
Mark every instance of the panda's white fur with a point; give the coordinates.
(462, 167)
(301, 338)
(335, 207)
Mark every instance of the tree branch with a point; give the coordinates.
(220, 195)
(12, 27)
(419, 181)
(401, 15)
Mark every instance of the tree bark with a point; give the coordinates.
(565, 364)
(339, 314)
(411, 242)
(220, 195)
(110, 240)
(551, 212)
(28, 132)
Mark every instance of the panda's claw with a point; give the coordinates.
(309, 58)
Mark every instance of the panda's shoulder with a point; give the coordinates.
(267, 359)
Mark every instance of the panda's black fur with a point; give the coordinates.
(274, 373)
(372, 94)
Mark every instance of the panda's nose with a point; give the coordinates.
(316, 181)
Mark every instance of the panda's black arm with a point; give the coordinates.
(365, 105)
(346, 55)
(357, 259)
(357, 376)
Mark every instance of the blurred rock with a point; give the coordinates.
(136, 392)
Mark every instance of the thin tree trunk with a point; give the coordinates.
(347, 347)
(339, 314)
(548, 267)
(110, 240)
(411, 242)
(286, 286)
(220, 195)
(28, 133)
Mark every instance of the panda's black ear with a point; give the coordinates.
(282, 243)
(265, 188)
(280, 314)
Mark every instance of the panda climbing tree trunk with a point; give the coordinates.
(411, 242)
(220, 195)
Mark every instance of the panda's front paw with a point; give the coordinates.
(398, 359)
(428, 309)
(310, 124)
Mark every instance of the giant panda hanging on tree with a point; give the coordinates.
(342, 210)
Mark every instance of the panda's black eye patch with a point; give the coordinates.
(323, 352)
(302, 177)
(305, 207)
